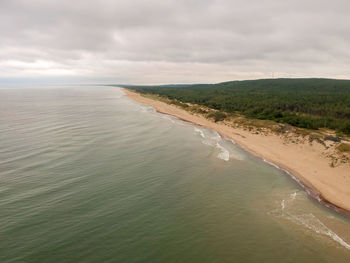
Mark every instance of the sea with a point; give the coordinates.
(88, 175)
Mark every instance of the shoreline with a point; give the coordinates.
(305, 164)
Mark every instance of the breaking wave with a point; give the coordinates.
(224, 154)
(225, 146)
(200, 132)
(308, 220)
(311, 222)
(147, 109)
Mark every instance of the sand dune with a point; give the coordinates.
(329, 185)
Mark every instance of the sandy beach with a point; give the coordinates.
(304, 161)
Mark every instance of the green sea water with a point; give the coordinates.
(87, 175)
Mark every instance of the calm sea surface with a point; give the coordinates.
(87, 175)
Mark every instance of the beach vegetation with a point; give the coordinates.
(179, 103)
(303, 103)
(217, 116)
(344, 147)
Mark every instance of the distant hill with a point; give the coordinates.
(306, 103)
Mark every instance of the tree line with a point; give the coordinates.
(305, 103)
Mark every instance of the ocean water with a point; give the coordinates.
(87, 175)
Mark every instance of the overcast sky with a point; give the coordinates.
(179, 41)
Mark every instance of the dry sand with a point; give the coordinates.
(329, 185)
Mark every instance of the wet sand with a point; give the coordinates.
(305, 162)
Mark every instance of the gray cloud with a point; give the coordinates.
(139, 41)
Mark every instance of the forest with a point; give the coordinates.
(304, 103)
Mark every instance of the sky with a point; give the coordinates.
(179, 41)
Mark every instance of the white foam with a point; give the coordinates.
(310, 221)
(216, 137)
(292, 196)
(284, 202)
(287, 172)
(224, 154)
(167, 117)
(313, 223)
(272, 164)
(147, 109)
(209, 140)
(201, 133)
(236, 156)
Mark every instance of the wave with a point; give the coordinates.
(309, 220)
(147, 109)
(200, 132)
(213, 141)
(272, 164)
(225, 146)
(167, 117)
(216, 136)
(292, 196)
(210, 138)
(224, 154)
(286, 202)
(233, 142)
(283, 204)
(287, 172)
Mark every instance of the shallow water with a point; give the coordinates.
(87, 175)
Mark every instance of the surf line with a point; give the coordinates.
(306, 186)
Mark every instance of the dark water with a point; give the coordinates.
(86, 175)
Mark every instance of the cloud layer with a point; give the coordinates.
(149, 41)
